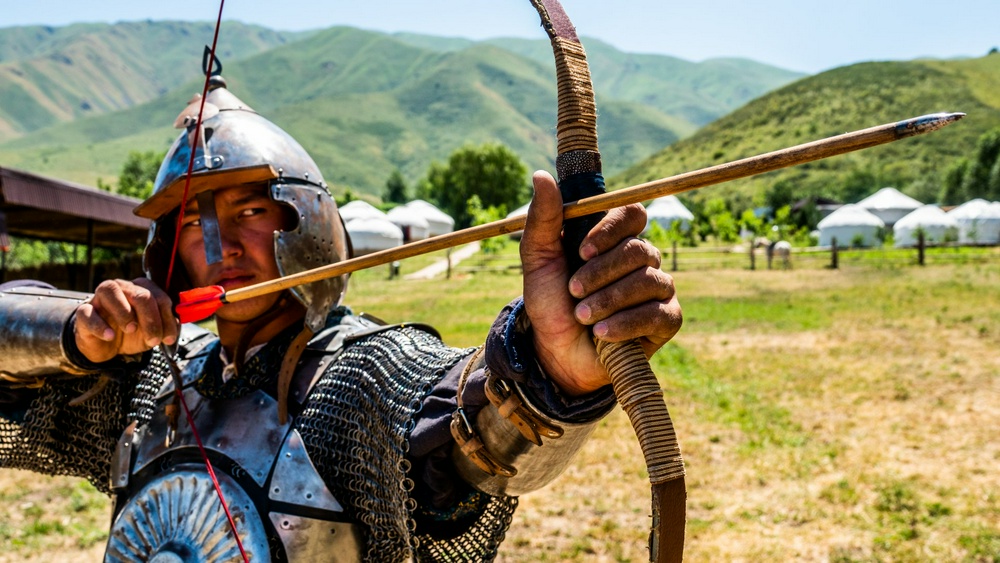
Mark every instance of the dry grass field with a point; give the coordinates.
(839, 416)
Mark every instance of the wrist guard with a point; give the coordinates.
(513, 447)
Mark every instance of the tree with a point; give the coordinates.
(954, 178)
(347, 198)
(483, 215)
(976, 182)
(138, 173)
(782, 193)
(724, 225)
(491, 171)
(858, 184)
(925, 188)
(993, 182)
(395, 188)
(782, 222)
(751, 222)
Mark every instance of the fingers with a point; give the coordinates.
(155, 313)
(654, 323)
(617, 224)
(90, 324)
(624, 295)
(630, 255)
(129, 316)
(641, 285)
(636, 288)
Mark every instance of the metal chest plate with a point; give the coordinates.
(307, 540)
(310, 523)
(245, 430)
(296, 480)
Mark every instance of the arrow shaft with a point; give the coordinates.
(767, 162)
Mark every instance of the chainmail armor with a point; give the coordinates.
(371, 394)
(355, 425)
(56, 439)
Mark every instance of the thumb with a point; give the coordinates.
(541, 240)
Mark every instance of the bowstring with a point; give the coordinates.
(170, 271)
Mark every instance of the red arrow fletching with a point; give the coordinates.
(200, 303)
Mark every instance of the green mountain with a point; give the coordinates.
(53, 75)
(362, 103)
(834, 102)
(695, 92)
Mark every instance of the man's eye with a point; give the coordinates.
(252, 211)
(193, 223)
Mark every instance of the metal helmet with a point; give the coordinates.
(237, 146)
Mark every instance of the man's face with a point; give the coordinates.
(248, 219)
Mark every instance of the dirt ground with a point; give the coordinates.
(872, 437)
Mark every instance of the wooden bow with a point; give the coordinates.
(578, 164)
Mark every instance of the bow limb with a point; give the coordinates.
(578, 165)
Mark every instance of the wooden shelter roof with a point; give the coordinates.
(39, 207)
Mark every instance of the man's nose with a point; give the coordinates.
(229, 238)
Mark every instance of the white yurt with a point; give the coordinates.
(414, 226)
(358, 209)
(372, 234)
(665, 210)
(850, 224)
(978, 222)
(938, 227)
(439, 222)
(889, 205)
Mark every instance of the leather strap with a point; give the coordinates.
(465, 434)
(287, 372)
(510, 406)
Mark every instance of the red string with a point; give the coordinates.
(194, 144)
(211, 474)
(170, 273)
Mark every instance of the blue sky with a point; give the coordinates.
(803, 35)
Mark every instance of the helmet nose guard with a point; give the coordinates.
(237, 146)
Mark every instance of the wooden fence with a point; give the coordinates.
(744, 258)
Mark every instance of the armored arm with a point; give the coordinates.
(527, 432)
(33, 329)
(59, 414)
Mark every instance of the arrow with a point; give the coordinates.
(201, 303)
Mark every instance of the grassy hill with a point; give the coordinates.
(834, 102)
(53, 75)
(363, 103)
(696, 92)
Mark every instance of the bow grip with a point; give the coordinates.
(573, 188)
